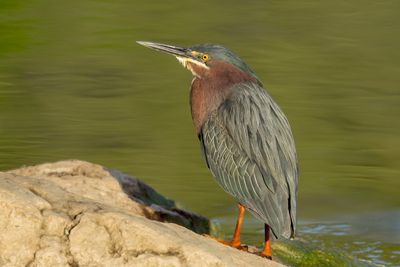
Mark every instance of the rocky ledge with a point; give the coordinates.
(75, 213)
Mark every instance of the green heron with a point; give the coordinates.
(245, 137)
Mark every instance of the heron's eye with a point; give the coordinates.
(204, 56)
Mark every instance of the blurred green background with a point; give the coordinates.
(74, 84)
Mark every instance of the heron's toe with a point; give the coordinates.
(265, 255)
(234, 244)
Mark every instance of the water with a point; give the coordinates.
(74, 84)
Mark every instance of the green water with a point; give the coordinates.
(74, 84)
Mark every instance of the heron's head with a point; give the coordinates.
(204, 59)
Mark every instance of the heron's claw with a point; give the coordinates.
(234, 243)
(265, 255)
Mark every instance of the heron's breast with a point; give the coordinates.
(212, 87)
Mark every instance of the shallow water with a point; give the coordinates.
(74, 84)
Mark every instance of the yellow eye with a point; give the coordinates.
(204, 56)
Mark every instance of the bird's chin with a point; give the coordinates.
(195, 67)
(182, 60)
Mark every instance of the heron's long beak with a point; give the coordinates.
(169, 49)
(185, 56)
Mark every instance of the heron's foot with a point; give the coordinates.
(265, 254)
(234, 243)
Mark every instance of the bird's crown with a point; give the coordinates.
(219, 52)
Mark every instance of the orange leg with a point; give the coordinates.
(266, 252)
(236, 235)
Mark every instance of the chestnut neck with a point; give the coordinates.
(212, 87)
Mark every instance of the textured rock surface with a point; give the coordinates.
(75, 213)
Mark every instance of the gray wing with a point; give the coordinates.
(249, 148)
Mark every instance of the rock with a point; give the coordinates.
(74, 213)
